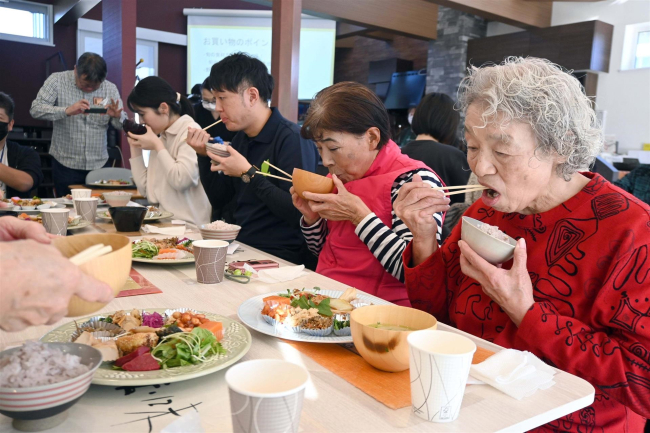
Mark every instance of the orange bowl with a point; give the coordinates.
(384, 349)
(112, 268)
(305, 181)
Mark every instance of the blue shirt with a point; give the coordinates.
(264, 208)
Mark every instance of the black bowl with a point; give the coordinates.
(127, 218)
(8, 212)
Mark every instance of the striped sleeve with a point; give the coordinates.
(314, 235)
(388, 245)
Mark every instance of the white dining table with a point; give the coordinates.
(331, 404)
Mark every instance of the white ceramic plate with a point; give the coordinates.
(37, 211)
(163, 214)
(250, 310)
(81, 224)
(129, 185)
(70, 203)
(163, 262)
(237, 341)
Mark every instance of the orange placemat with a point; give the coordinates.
(137, 285)
(391, 389)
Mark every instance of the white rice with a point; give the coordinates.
(36, 364)
(493, 231)
(221, 225)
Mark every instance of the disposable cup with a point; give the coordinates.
(266, 395)
(439, 367)
(210, 260)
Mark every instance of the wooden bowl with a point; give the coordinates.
(383, 349)
(112, 268)
(305, 181)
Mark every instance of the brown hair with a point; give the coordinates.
(346, 107)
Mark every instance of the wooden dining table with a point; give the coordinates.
(331, 403)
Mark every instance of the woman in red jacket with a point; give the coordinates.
(577, 293)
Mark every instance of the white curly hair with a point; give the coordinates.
(550, 100)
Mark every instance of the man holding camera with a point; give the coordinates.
(81, 103)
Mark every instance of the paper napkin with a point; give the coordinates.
(171, 231)
(280, 275)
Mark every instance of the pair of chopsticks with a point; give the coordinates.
(208, 127)
(276, 177)
(90, 253)
(462, 189)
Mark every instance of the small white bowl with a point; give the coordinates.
(491, 249)
(28, 207)
(116, 200)
(44, 206)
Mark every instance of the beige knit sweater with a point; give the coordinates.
(172, 178)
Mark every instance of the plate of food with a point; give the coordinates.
(31, 206)
(168, 251)
(153, 214)
(157, 345)
(68, 201)
(74, 223)
(111, 183)
(314, 315)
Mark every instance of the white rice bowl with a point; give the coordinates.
(36, 364)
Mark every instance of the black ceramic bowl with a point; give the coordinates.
(127, 218)
(8, 212)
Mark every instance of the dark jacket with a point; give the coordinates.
(25, 159)
(449, 163)
(264, 208)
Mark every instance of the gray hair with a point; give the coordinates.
(539, 93)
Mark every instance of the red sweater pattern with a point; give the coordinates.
(589, 262)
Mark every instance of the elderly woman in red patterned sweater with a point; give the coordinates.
(577, 293)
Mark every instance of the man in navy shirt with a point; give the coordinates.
(242, 87)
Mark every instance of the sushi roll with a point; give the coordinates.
(172, 254)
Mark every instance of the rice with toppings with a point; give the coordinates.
(493, 231)
(221, 225)
(36, 364)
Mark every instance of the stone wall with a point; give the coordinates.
(447, 56)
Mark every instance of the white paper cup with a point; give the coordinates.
(81, 193)
(55, 221)
(210, 260)
(439, 363)
(86, 208)
(266, 395)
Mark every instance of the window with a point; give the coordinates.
(642, 55)
(636, 47)
(23, 21)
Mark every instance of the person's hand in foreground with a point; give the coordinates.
(37, 281)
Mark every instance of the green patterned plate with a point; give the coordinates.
(236, 340)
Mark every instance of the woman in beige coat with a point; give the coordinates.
(171, 178)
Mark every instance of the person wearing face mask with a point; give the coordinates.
(79, 143)
(243, 86)
(20, 166)
(171, 179)
(407, 133)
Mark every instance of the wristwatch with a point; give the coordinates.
(248, 175)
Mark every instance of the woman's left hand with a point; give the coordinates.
(342, 206)
(511, 289)
(148, 141)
